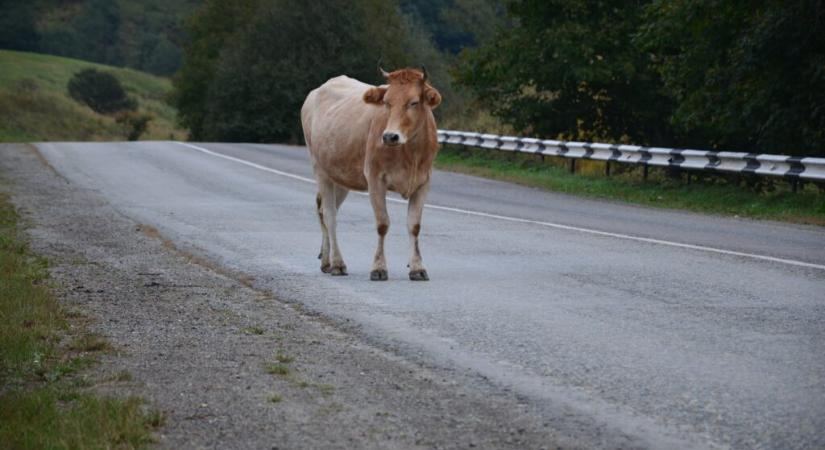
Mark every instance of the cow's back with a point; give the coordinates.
(336, 122)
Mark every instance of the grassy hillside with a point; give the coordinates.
(35, 104)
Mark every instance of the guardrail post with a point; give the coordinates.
(607, 168)
(688, 178)
(572, 166)
(794, 185)
(644, 172)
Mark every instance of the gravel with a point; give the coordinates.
(197, 340)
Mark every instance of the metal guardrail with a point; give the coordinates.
(795, 167)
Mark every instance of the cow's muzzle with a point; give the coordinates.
(392, 139)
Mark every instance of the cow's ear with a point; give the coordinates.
(432, 97)
(375, 95)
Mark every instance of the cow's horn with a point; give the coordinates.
(384, 73)
(424, 70)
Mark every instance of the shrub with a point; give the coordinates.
(101, 91)
(134, 123)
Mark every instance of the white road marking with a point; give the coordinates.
(529, 221)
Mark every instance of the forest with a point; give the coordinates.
(729, 75)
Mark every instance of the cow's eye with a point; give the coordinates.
(413, 104)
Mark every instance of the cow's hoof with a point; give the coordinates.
(419, 275)
(338, 271)
(378, 275)
(326, 268)
(320, 255)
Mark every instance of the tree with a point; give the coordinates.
(567, 68)
(209, 29)
(92, 35)
(746, 75)
(454, 24)
(164, 58)
(254, 92)
(17, 31)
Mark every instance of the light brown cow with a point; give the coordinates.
(374, 138)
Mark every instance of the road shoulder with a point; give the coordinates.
(233, 366)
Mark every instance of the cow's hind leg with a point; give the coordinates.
(323, 255)
(414, 210)
(329, 207)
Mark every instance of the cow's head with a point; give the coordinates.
(408, 99)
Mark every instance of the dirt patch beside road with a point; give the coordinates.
(234, 367)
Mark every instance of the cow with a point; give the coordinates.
(372, 138)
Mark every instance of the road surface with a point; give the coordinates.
(676, 329)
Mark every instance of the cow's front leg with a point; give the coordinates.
(378, 198)
(334, 262)
(414, 210)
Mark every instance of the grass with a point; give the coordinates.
(44, 400)
(707, 194)
(38, 419)
(285, 359)
(255, 330)
(35, 105)
(122, 376)
(277, 369)
(275, 398)
(90, 342)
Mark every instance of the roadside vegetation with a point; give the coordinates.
(35, 104)
(46, 394)
(732, 194)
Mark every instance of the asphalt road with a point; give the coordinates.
(670, 329)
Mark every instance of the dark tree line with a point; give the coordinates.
(142, 34)
(249, 64)
(728, 74)
(725, 74)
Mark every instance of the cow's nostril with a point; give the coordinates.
(391, 138)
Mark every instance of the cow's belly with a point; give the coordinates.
(341, 165)
(351, 181)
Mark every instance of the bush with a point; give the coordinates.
(135, 124)
(101, 91)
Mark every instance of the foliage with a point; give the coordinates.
(738, 75)
(233, 88)
(143, 34)
(91, 35)
(134, 123)
(455, 24)
(35, 104)
(744, 74)
(17, 28)
(210, 29)
(568, 70)
(101, 91)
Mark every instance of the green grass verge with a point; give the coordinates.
(715, 195)
(35, 104)
(43, 403)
